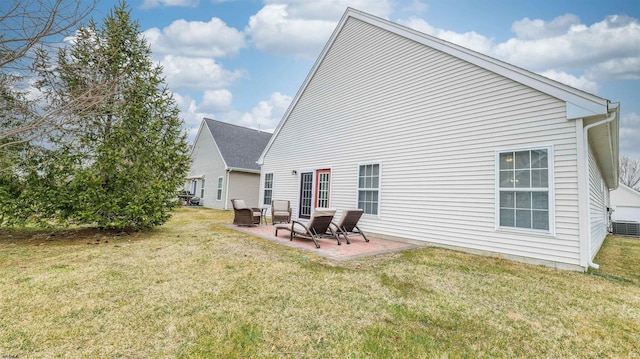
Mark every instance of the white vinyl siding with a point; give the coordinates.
(435, 122)
(599, 201)
(207, 162)
(268, 189)
(245, 186)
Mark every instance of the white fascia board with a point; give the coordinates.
(576, 111)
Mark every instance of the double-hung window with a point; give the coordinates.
(268, 188)
(202, 189)
(369, 188)
(524, 189)
(219, 195)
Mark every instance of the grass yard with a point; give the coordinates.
(195, 289)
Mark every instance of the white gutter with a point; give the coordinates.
(586, 150)
(226, 190)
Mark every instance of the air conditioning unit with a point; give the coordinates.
(626, 228)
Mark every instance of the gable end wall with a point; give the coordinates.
(434, 123)
(208, 162)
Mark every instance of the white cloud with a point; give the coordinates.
(527, 29)
(302, 27)
(216, 101)
(470, 40)
(578, 82)
(217, 105)
(273, 31)
(332, 10)
(190, 114)
(147, 4)
(197, 73)
(564, 43)
(267, 114)
(196, 38)
(616, 69)
(606, 50)
(629, 135)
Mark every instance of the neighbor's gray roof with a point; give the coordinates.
(239, 146)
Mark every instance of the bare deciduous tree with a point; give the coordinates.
(28, 23)
(630, 172)
(27, 29)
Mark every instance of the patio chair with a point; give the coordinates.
(194, 201)
(243, 215)
(349, 224)
(280, 211)
(317, 227)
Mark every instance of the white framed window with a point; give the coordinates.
(219, 195)
(369, 188)
(524, 189)
(268, 189)
(202, 189)
(194, 186)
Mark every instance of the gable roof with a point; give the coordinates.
(240, 147)
(579, 104)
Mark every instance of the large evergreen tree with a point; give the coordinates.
(120, 165)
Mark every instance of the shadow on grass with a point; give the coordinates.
(619, 260)
(69, 236)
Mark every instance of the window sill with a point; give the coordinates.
(525, 231)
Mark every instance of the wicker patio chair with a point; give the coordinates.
(243, 215)
(349, 224)
(317, 227)
(280, 211)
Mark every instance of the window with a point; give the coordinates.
(194, 187)
(268, 188)
(322, 188)
(202, 189)
(219, 197)
(369, 188)
(523, 189)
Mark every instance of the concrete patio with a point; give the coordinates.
(329, 247)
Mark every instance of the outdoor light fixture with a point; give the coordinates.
(294, 172)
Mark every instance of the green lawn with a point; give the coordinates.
(195, 289)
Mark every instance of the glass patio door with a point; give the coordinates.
(306, 194)
(322, 188)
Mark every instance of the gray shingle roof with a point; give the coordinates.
(239, 146)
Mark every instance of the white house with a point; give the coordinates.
(625, 202)
(441, 144)
(224, 164)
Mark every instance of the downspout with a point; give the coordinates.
(226, 190)
(586, 150)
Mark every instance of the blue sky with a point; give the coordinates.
(243, 61)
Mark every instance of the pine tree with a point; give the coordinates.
(120, 166)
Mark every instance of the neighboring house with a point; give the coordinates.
(224, 164)
(441, 144)
(625, 202)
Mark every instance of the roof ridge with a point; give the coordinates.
(236, 125)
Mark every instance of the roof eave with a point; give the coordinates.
(238, 169)
(604, 141)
